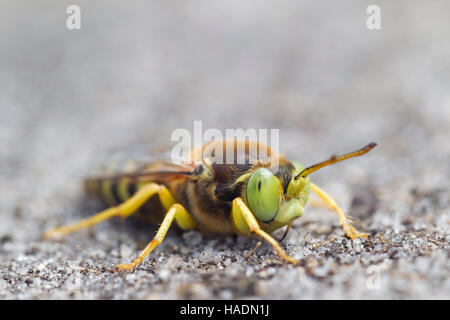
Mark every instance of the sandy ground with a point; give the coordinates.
(132, 75)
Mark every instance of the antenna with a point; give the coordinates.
(334, 159)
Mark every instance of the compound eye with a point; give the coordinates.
(263, 194)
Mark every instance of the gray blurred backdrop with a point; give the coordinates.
(138, 70)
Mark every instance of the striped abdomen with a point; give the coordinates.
(109, 186)
(113, 187)
(111, 191)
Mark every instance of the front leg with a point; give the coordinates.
(245, 222)
(344, 221)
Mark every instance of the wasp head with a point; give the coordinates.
(277, 196)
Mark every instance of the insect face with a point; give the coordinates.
(270, 202)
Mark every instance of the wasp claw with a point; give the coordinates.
(352, 233)
(125, 267)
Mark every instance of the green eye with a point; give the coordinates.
(263, 194)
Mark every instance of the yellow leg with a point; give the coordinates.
(241, 213)
(344, 221)
(124, 210)
(177, 212)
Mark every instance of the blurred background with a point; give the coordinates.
(136, 71)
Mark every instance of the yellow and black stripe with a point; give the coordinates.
(113, 190)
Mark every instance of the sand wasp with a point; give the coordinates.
(249, 196)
